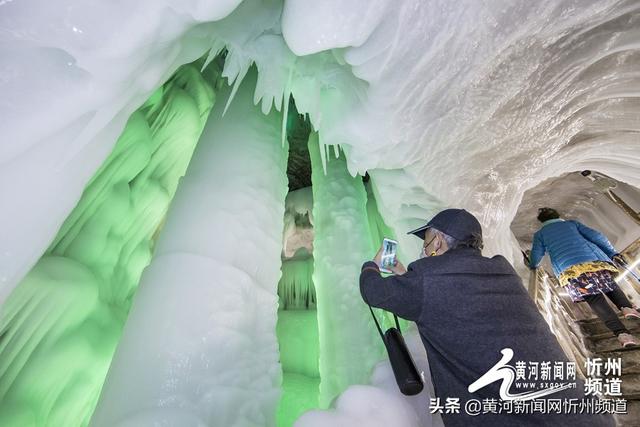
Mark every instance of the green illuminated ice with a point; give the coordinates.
(349, 345)
(60, 326)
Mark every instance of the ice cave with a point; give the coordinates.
(188, 190)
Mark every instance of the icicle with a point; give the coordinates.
(216, 48)
(236, 85)
(285, 108)
(327, 152)
(285, 113)
(323, 157)
(295, 287)
(336, 150)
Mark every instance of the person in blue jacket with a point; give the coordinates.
(581, 258)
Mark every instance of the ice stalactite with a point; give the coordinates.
(297, 327)
(61, 324)
(199, 347)
(297, 331)
(349, 346)
(295, 288)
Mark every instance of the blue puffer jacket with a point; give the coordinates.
(569, 243)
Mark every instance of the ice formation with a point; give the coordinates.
(200, 337)
(101, 105)
(341, 240)
(70, 308)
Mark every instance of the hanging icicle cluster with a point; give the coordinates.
(295, 288)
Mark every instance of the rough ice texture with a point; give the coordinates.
(295, 288)
(380, 404)
(349, 346)
(433, 89)
(577, 197)
(71, 75)
(447, 103)
(200, 342)
(60, 327)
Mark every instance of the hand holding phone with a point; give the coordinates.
(388, 255)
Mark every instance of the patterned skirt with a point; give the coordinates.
(589, 279)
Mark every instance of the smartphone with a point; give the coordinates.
(388, 258)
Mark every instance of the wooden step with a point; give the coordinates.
(608, 334)
(632, 417)
(596, 326)
(630, 386)
(607, 345)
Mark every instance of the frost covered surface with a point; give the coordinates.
(445, 103)
(61, 326)
(349, 346)
(577, 197)
(404, 87)
(199, 346)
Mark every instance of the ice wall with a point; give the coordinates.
(471, 102)
(60, 326)
(349, 346)
(446, 103)
(474, 102)
(199, 347)
(71, 75)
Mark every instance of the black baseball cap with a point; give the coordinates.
(457, 223)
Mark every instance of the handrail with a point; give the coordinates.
(562, 315)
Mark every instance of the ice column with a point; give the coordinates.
(199, 347)
(349, 346)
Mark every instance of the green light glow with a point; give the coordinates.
(61, 325)
(349, 345)
(298, 338)
(295, 287)
(378, 230)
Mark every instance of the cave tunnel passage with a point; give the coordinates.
(297, 325)
(591, 197)
(611, 207)
(594, 199)
(600, 202)
(62, 324)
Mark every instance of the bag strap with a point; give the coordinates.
(375, 319)
(377, 324)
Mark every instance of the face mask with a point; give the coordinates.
(423, 254)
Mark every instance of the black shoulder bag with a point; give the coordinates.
(404, 369)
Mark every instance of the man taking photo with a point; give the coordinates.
(472, 313)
